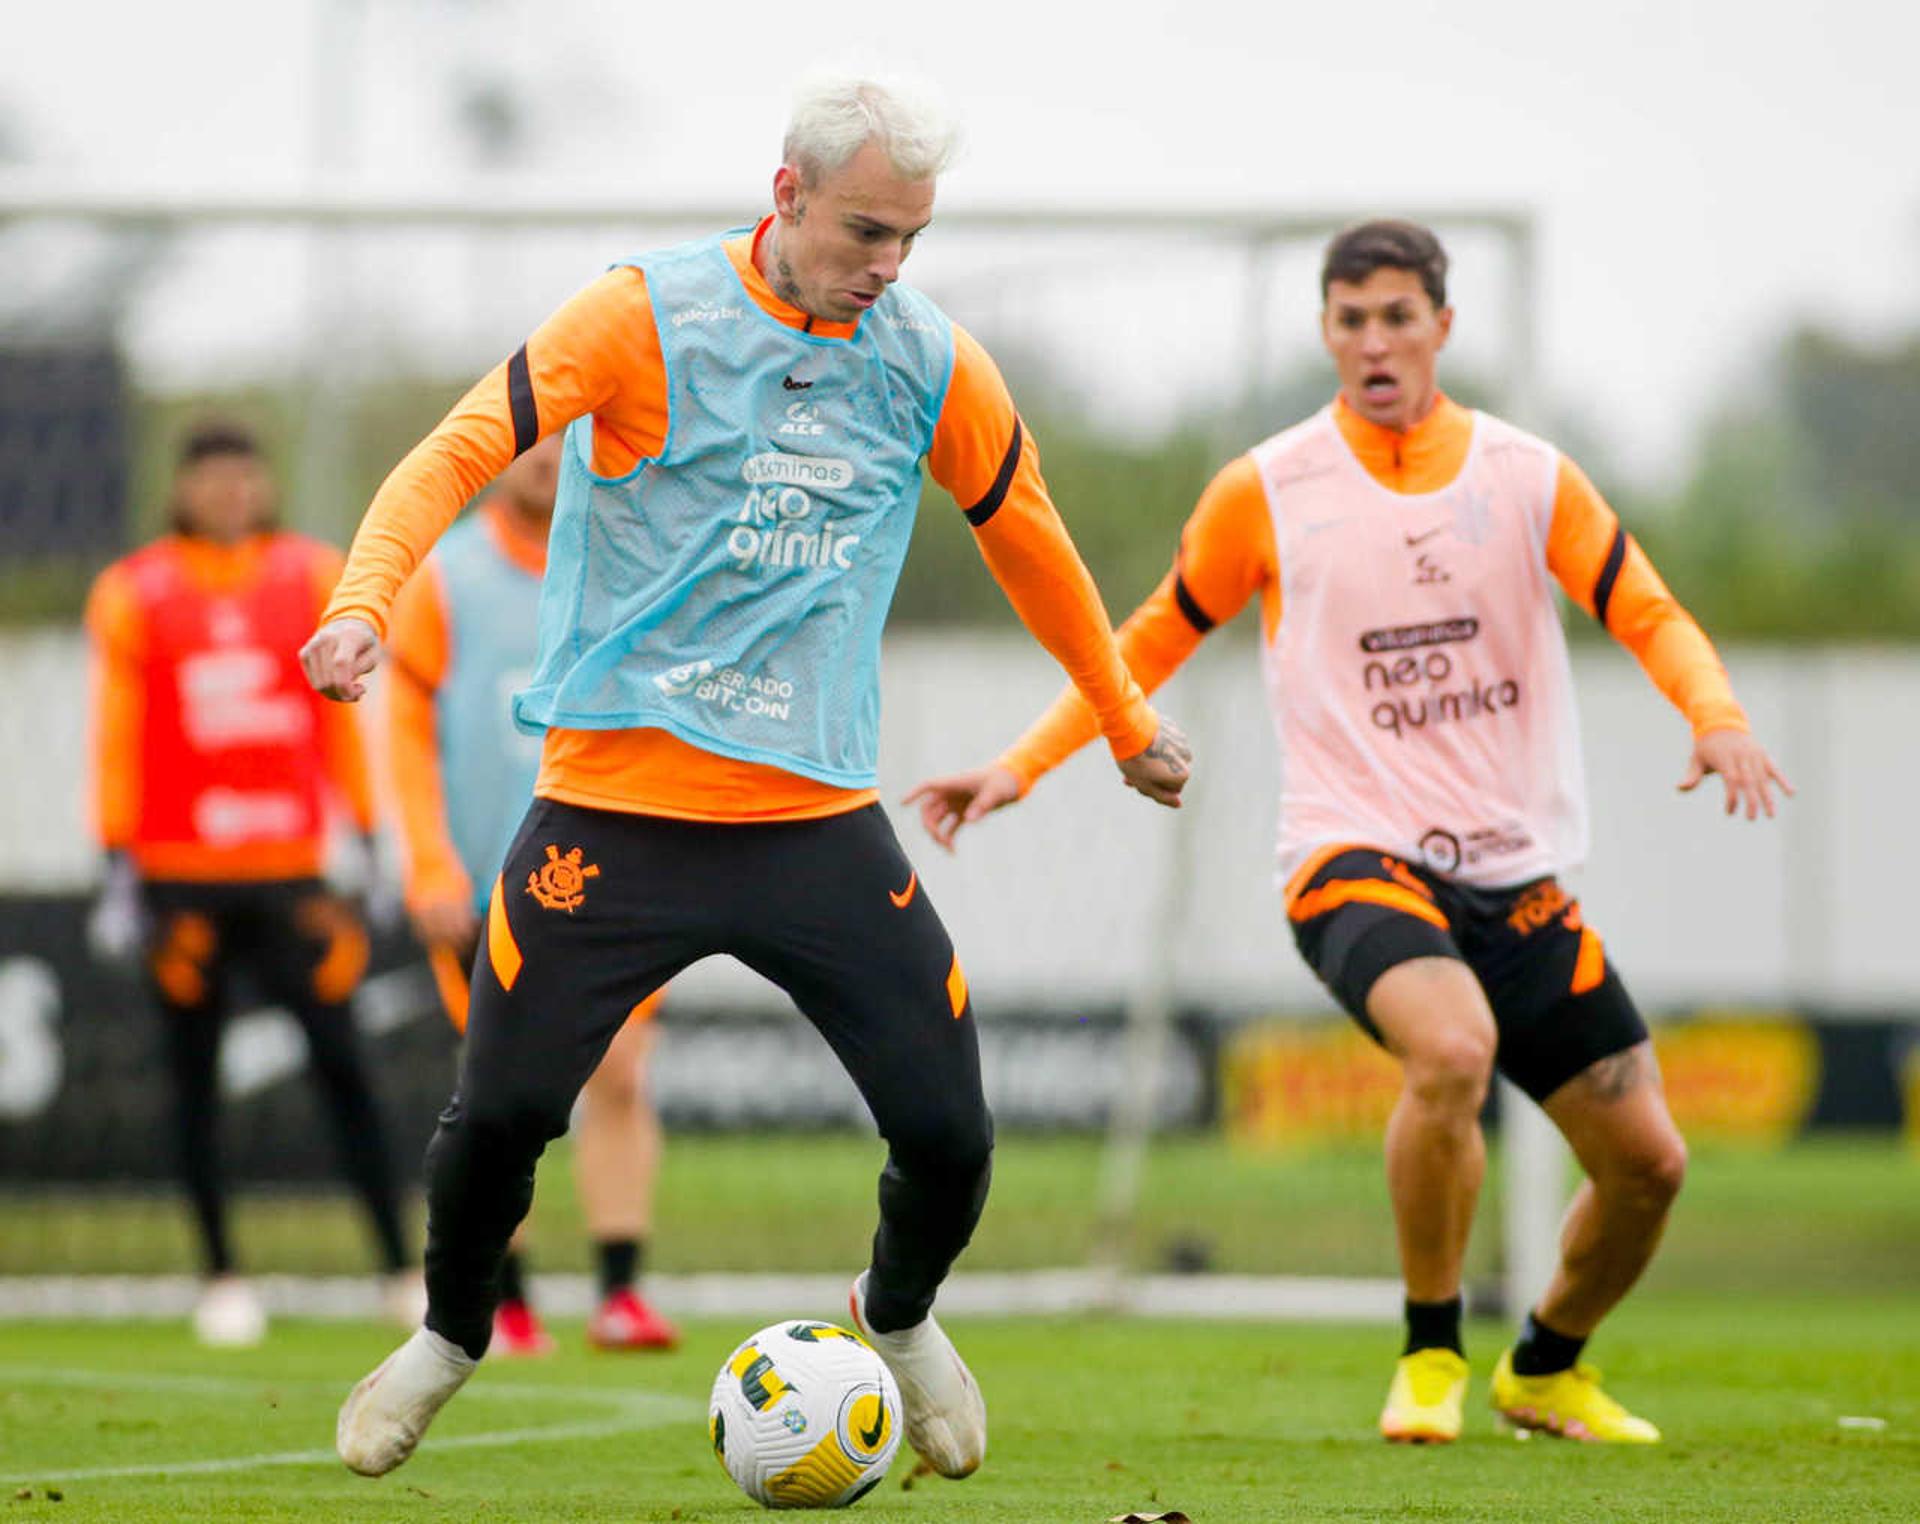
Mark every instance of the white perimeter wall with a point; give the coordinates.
(1054, 902)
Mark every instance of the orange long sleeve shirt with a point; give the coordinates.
(1227, 555)
(600, 354)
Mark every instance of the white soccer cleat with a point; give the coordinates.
(945, 1414)
(229, 1314)
(384, 1416)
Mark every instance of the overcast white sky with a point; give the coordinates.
(1705, 173)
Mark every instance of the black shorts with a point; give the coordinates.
(1558, 1006)
(594, 910)
(302, 944)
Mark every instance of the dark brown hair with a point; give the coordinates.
(1390, 244)
(217, 436)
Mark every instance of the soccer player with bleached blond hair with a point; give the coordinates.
(745, 419)
(1404, 551)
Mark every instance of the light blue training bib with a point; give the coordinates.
(732, 590)
(487, 768)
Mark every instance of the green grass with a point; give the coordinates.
(1090, 1418)
(1839, 1214)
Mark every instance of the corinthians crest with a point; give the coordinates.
(561, 882)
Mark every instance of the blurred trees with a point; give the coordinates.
(1802, 518)
(1800, 521)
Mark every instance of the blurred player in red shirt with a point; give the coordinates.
(213, 768)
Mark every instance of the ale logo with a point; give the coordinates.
(561, 882)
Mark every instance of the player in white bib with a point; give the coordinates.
(1404, 550)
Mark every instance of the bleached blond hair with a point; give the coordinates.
(836, 114)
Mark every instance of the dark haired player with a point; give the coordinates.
(1404, 551)
(213, 766)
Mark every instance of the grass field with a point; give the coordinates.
(1838, 1214)
(1786, 1298)
(1090, 1418)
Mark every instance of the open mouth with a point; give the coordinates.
(1379, 386)
(863, 299)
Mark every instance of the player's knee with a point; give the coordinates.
(955, 1145)
(1451, 1070)
(615, 1088)
(1646, 1173)
(516, 1122)
(1657, 1172)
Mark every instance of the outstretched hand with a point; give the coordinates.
(1744, 767)
(946, 804)
(1161, 771)
(338, 655)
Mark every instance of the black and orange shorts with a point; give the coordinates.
(303, 945)
(596, 910)
(1558, 1005)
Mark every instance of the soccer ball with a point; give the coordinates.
(805, 1415)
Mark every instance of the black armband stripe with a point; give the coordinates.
(526, 417)
(1609, 574)
(989, 505)
(1190, 606)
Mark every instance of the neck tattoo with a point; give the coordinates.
(785, 286)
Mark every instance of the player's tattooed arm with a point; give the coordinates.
(1161, 771)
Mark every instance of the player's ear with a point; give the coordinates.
(786, 190)
(1444, 317)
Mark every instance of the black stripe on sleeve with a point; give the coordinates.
(526, 417)
(1183, 595)
(1609, 574)
(989, 505)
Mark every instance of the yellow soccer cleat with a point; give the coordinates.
(1567, 1403)
(1423, 1404)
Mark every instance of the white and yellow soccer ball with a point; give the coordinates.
(805, 1415)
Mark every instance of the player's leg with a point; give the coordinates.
(1433, 1017)
(616, 1158)
(1377, 934)
(839, 920)
(310, 954)
(1571, 1038)
(186, 969)
(517, 1330)
(581, 924)
(1614, 1114)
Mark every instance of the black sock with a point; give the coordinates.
(619, 1263)
(1542, 1352)
(1433, 1325)
(513, 1284)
